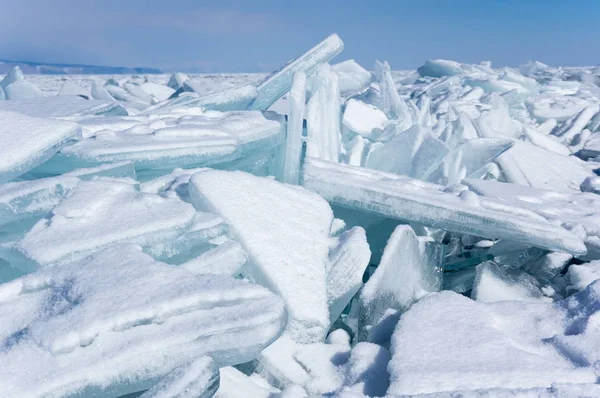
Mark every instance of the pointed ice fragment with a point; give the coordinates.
(494, 282)
(279, 82)
(349, 260)
(285, 230)
(96, 214)
(176, 80)
(79, 329)
(570, 128)
(323, 117)
(29, 141)
(404, 198)
(15, 75)
(157, 91)
(70, 88)
(293, 141)
(391, 103)
(198, 378)
(100, 93)
(413, 153)
(411, 267)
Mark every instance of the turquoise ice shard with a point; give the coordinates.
(293, 142)
(279, 82)
(29, 141)
(96, 214)
(198, 378)
(415, 153)
(404, 198)
(80, 330)
(410, 268)
(285, 230)
(348, 262)
(467, 159)
(440, 68)
(323, 117)
(494, 282)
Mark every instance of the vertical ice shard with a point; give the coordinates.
(293, 142)
(392, 105)
(15, 75)
(411, 267)
(323, 117)
(198, 378)
(415, 153)
(278, 83)
(176, 81)
(29, 141)
(285, 230)
(348, 259)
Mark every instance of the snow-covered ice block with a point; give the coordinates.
(323, 110)
(176, 80)
(157, 91)
(227, 258)
(440, 68)
(235, 384)
(279, 82)
(99, 93)
(510, 344)
(231, 99)
(71, 88)
(348, 262)
(367, 369)
(285, 230)
(410, 268)
(569, 129)
(21, 90)
(15, 75)
(198, 378)
(27, 199)
(118, 322)
(114, 170)
(197, 141)
(494, 282)
(580, 276)
(353, 78)
(364, 119)
(127, 99)
(63, 106)
(408, 199)
(28, 141)
(415, 153)
(278, 365)
(96, 214)
(293, 142)
(544, 141)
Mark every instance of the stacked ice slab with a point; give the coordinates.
(323, 230)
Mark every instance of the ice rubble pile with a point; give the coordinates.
(322, 230)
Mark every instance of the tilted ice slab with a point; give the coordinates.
(408, 199)
(96, 214)
(285, 230)
(495, 282)
(198, 378)
(510, 344)
(231, 99)
(28, 141)
(62, 106)
(199, 140)
(118, 321)
(279, 82)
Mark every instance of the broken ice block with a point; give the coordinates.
(55, 107)
(99, 93)
(410, 268)
(353, 78)
(231, 99)
(279, 82)
(118, 321)
(440, 68)
(367, 369)
(348, 259)
(293, 142)
(96, 214)
(415, 153)
(404, 198)
(570, 128)
(70, 88)
(494, 282)
(15, 75)
(364, 119)
(28, 141)
(21, 90)
(467, 159)
(285, 230)
(197, 141)
(113, 170)
(198, 378)
(157, 91)
(227, 258)
(176, 80)
(235, 384)
(580, 276)
(323, 139)
(391, 103)
(511, 344)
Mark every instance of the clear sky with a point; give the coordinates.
(237, 36)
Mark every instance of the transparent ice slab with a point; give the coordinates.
(63, 106)
(96, 214)
(285, 230)
(404, 198)
(411, 267)
(80, 330)
(231, 99)
(279, 82)
(294, 141)
(29, 141)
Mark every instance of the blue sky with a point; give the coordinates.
(237, 36)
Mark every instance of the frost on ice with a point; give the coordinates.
(323, 230)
